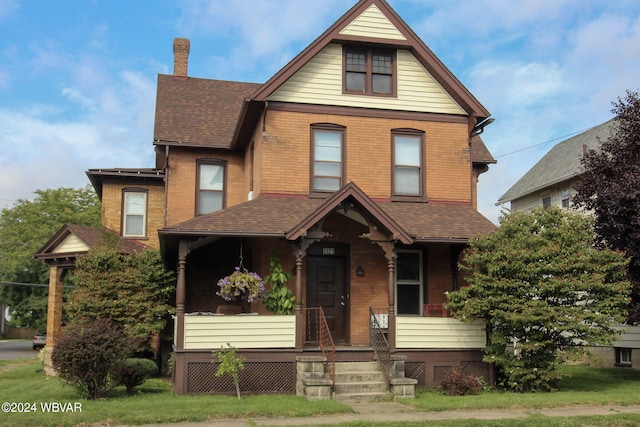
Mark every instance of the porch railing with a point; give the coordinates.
(378, 330)
(317, 332)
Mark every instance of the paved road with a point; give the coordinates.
(16, 349)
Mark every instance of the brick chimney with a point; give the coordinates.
(180, 57)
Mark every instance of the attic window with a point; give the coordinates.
(134, 213)
(369, 71)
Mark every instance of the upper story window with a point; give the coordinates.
(327, 151)
(134, 213)
(564, 198)
(369, 71)
(408, 168)
(211, 186)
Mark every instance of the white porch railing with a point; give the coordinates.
(240, 331)
(439, 333)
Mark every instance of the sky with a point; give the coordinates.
(78, 78)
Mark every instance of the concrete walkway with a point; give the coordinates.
(389, 411)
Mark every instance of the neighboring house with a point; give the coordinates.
(551, 182)
(357, 163)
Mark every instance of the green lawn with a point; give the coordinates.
(156, 402)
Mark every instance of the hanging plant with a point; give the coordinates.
(241, 285)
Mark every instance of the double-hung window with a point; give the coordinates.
(369, 71)
(211, 186)
(327, 151)
(408, 168)
(134, 213)
(409, 280)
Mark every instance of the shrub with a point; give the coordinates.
(132, 372)
(229, 364)
(456, 383)
(86, 355)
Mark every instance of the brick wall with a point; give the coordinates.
(285, 154)
(112, 199)
(182, 174)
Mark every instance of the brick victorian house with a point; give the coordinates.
(357, 163)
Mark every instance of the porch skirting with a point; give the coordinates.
(275, 371)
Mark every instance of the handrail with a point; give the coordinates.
(379, 323)
(318, 332)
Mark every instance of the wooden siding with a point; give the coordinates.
(213, 332)
(320, 82)
(71, 244)
(438, 333)
(373, 23)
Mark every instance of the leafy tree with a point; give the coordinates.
(229, 364)
(542, 288)
(25, 228)
(610, 188)
(133, 290)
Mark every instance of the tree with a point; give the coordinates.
(610, 188)
(25, 228)
(133, 290)
(542, 289)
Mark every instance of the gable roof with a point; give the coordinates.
(561, 163)
(198, 112)
(398, 34)
(72, 241)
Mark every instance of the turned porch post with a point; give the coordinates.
(183, 251)
(299, 254)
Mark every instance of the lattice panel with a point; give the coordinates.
(439, 372)
(415, 370)
(256, 377)
(477, 369)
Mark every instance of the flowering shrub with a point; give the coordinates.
(241, 284)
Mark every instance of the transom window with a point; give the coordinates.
(134, 213)
(327, 158)
(369, 71)
(409, 283)
(211, 194)
(408, 168)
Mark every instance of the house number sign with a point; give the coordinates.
(328, 251)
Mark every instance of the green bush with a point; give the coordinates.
(86, 355)
(456, 383)
(132, 372)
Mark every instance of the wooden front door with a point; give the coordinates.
(327, 288)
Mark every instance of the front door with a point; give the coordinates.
(327, 288)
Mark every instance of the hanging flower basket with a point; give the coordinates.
(241, 285)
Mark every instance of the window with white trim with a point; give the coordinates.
(211, 186)
(327, 160)
(564, 198)
(134, 213)
(408, 167)
(409, 280)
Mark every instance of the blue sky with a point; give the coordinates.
(77, 78)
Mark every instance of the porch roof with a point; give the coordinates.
(278, 215)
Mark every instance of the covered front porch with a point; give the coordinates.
(346, 254)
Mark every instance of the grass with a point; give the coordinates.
(156, 402)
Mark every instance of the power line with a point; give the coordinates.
(542, 143)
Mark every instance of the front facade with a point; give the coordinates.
(357, 164)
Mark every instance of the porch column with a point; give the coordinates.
(392, 313)
(54, 315)
(183, 251)
(299, 253)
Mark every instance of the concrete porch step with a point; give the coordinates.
(360, 382)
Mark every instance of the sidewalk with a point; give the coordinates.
(389, 411)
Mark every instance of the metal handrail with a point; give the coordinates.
(318, 332)
(378, 324)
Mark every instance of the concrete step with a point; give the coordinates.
(363, 397)
(357, 366)
(360, 382)
(360, 387)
